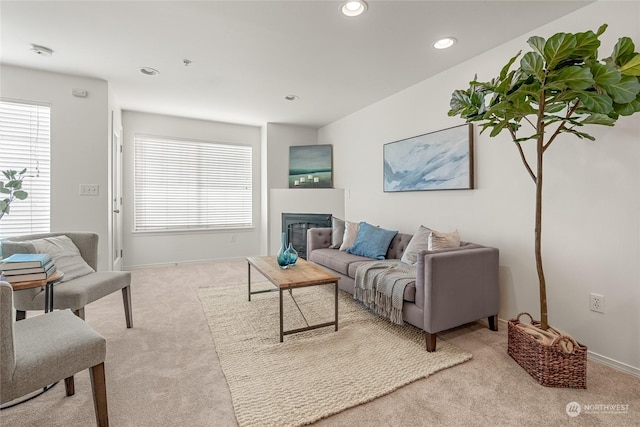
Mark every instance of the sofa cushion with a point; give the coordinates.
(371, 241)
(335, 259)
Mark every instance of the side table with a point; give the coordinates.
(48, 288)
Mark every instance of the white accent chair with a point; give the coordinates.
(41, 350)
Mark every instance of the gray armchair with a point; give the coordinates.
(74, 294)
(44, 349)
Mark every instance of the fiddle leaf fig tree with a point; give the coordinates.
(559, 87)
(11, 189)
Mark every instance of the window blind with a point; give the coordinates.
(25, 142)
(184, 184)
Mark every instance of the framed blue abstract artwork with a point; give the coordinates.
(441, 160)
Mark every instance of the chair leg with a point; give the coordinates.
(79, 312)
(99, 388)
(69, 386)
(21, 315)
(126, 299)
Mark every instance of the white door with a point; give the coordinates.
(116, 201)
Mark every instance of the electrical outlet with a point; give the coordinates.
(88, 189)
(596, 303)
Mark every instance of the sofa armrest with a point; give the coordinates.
(457, 287)
(318, 238)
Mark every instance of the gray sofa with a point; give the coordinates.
(452, 286)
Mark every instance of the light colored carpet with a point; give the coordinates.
(317, 373)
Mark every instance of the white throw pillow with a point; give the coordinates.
(350, 234)
(419, 242)
(438, 240)
(65, 255)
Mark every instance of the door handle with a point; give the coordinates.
(116, 211)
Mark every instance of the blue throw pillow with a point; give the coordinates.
(372, 242)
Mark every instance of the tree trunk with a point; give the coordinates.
(538, 248)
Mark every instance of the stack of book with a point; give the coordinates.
(27, 267)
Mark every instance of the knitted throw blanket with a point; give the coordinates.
(380, 286)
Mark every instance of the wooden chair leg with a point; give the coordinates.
(79, 312)
(431, 341)
(99, 388)
(21, 315)
(493, 322)
(126, 299)
(69, 386)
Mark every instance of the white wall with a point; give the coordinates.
(161, 248)
(79, 150)
(276, 140)
(591, 226)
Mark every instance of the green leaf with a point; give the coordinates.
(587, 45)
(624, 91)
(598, 119)
(575, 77)
(5, 190)
(580, 135)
(20, 194)
(601, 30)
(459, 99)
(558, 47)
(505, 69)
(533, 64)
(537, 44)
(629, 108)
(498, 128)
(604, 74)
(596, 102)
(631, 67)
(623, 49)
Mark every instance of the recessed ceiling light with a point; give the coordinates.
(41, 50)
(148, 71)
(354, 7)
(444, 43)
(291, 97)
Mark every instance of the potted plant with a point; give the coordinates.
(11, 190)
(557, 88)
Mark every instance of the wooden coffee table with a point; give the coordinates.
(301, 275)
(48, 288)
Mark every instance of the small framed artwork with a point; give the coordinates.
(441, 160)
(310, 166)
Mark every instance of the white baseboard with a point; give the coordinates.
(613, 363)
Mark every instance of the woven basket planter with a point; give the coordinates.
(548, 364)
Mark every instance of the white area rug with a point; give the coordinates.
(316, 373)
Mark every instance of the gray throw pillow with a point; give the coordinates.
(337, 232)
(419, 242)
